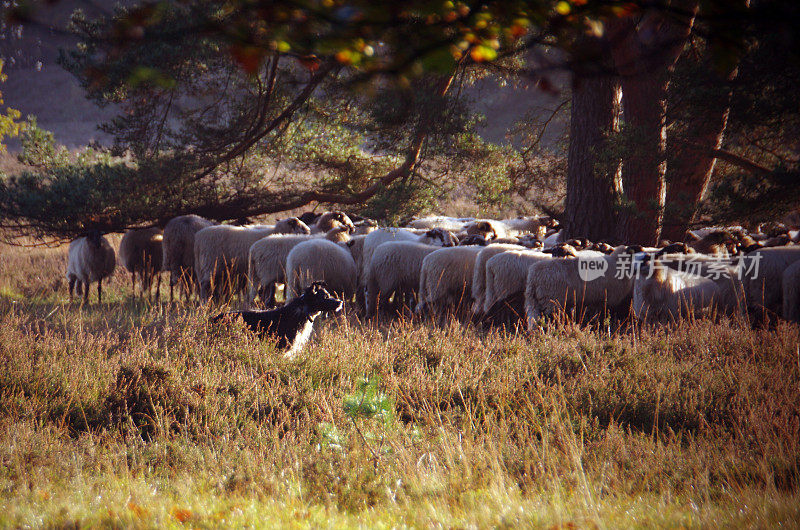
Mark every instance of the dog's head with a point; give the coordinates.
(317, 299)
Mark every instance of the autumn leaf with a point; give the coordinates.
(482, 53)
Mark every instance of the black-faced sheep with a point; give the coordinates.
(717, 243)
(365, 227)
(141, 251)
(221, 253)
(178, 255)
(90, 259)
(487, 228)
(445, 282)
(338, 234)
(318, 260)
(309, 218)
(562, 250)
(330, 220)
(473, 240)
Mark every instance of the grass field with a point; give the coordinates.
(129, 414)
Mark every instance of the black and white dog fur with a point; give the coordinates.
(291, 324)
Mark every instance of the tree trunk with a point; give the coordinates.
(592, 182)
(645, 166)
(644, 52)
(690, 171)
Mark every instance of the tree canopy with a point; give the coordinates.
(242, 108)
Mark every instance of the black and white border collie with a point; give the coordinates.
(291, 324)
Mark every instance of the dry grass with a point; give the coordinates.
(136, 415)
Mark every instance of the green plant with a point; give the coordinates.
(39, 147)
(9, 121)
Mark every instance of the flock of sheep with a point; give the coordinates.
(489, 270)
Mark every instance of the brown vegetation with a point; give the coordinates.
(136, 414)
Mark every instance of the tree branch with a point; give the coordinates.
(280, 202)
(287, 113)
(727, 156)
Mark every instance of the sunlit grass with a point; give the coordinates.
(137, 414)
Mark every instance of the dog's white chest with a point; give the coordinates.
(301, 338)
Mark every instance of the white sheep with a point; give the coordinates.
(178, 254)
(365, 227)
(506, 274)
(90, 259)
(557, 283)
(374, 239)
(356, 247)
(394, 269)
(320, 260)
(763, 277)
(266, 261)
(554, 238)
(141, 250)
(445, 281)
(791, 292)
(222, 252)
(453, 224)
(383, 235)
(665, 295)
(526, 225)
(479, 273)
(267, 265)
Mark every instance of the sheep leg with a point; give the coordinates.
(360, 299)
(99, 292)
(188, 283)
(205, 291)
(71, 287)
(148, 284)
(158, 287)
(269, 295)
(370, 298)
(86, 293)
